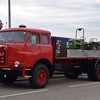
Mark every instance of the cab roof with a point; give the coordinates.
(24, 28)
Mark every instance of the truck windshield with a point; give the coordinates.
(13, 36)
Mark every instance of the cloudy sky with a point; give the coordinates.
(60, 17)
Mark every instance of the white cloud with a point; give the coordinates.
(58, 16)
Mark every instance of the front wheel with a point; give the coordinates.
(40, 76)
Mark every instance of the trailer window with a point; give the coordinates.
(33, 39)
(45, 39)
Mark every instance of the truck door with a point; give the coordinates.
(46, 47)
(33, 50)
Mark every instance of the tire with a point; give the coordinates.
(97, 72)
(72, 75)
(8, 78)
(94, 74)
(40, 76)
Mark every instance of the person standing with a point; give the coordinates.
(1, 24)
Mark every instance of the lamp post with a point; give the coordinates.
(9, 14)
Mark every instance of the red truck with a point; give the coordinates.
(34, 54)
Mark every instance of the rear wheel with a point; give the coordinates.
(97, 72)
(40, 76)
(94, 74)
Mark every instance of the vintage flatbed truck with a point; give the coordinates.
(34, 54)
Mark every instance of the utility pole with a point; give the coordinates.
(9, 14)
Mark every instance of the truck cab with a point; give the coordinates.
(22, 50)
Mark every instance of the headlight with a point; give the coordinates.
(16, 63)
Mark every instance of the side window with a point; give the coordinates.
(33, 39)
(45, 39)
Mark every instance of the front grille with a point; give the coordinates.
(2, 55)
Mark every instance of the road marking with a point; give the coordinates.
(18, 94)
(80, 85)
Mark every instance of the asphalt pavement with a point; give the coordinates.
(57, 89)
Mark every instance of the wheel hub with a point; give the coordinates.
(41, 76)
